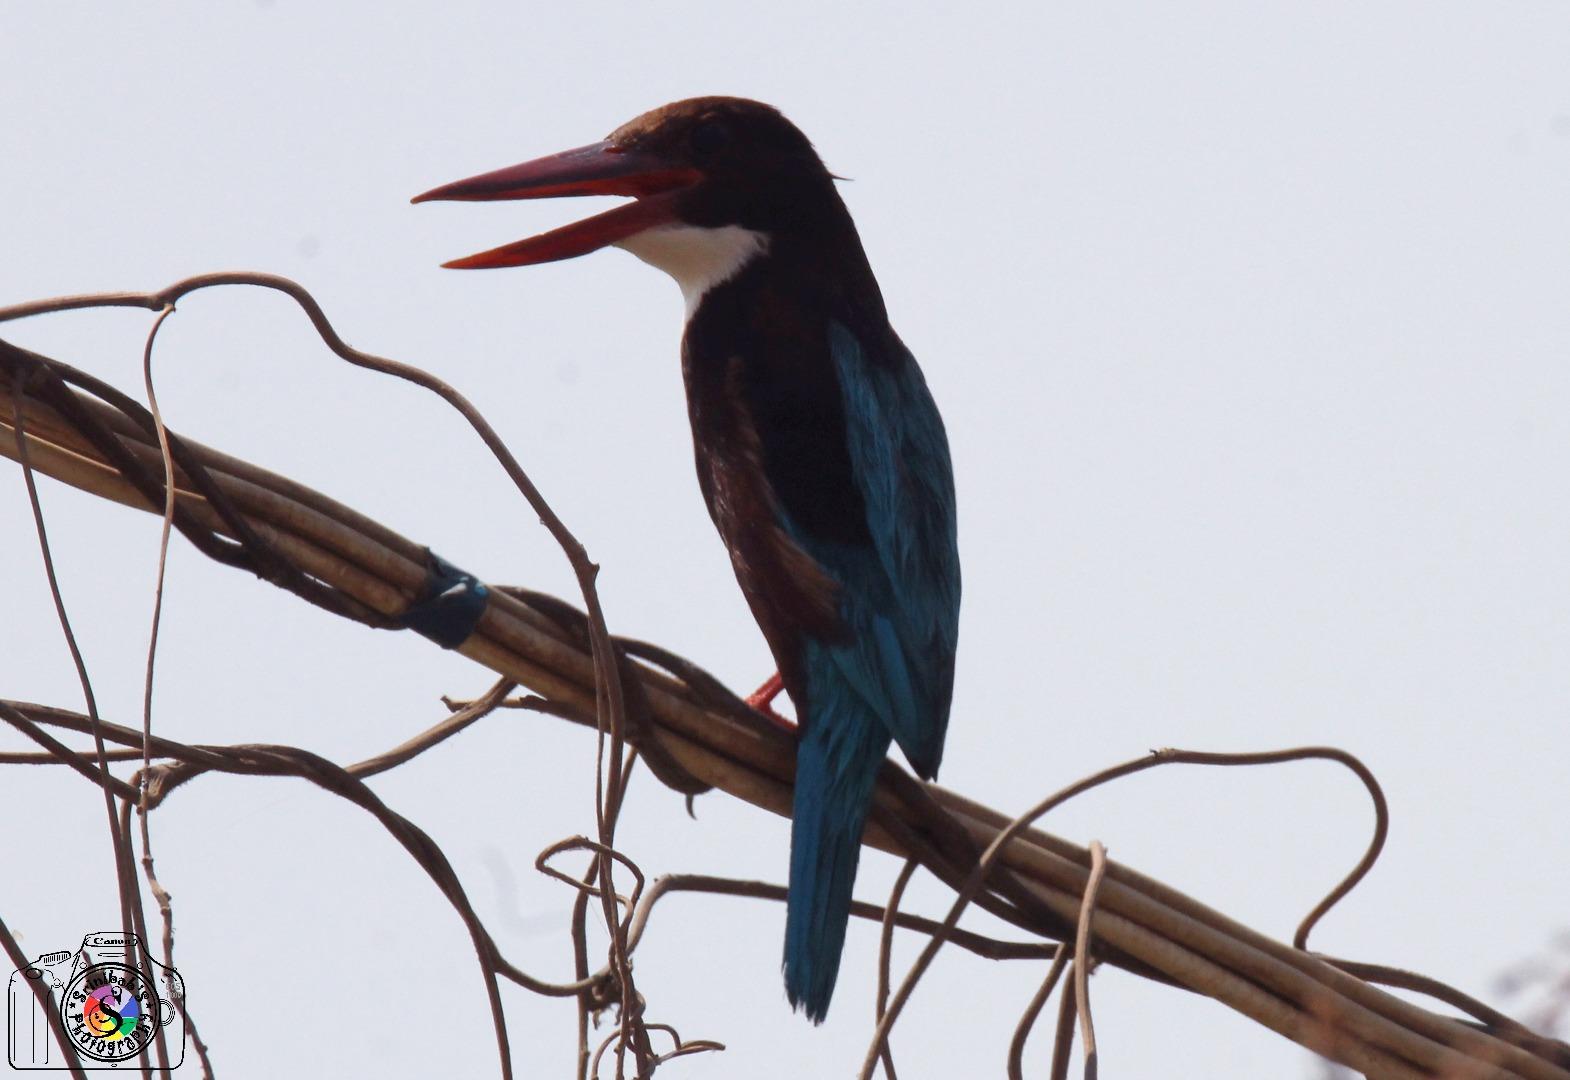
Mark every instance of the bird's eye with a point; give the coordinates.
(708, 138)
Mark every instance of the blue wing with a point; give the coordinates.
(899, 596)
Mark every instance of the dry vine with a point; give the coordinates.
(646, 704)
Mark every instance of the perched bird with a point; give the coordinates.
(820, 454)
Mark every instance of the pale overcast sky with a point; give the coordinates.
(1249, 325)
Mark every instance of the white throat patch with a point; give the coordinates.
(697, 258)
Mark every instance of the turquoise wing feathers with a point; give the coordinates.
(900, 597)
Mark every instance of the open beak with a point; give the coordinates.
(597, 169)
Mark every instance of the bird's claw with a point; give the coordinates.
(762, 699)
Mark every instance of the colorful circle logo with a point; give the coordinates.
(110, 1012)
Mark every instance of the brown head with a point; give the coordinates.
(715, 179)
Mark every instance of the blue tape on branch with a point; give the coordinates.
(451, 606)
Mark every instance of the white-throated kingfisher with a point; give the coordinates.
(820, 453)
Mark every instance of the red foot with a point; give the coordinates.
(762, 698)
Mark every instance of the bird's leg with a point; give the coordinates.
(763, 697)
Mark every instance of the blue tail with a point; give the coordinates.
(836, 767)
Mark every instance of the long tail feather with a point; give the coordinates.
(836, 768)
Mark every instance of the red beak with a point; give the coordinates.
(598, 169)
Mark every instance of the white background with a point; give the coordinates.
(1249, 325)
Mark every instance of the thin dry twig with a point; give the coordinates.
(1083, 961)
(1027, 1021)
(160, 894)
(979, 944)
(1063, 1032)
(44, 757)
(885, 953)
(583, 843)
(125, 879)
